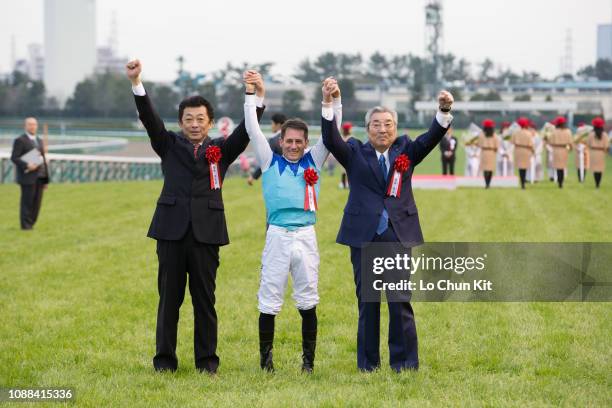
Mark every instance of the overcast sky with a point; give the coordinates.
(520, 34)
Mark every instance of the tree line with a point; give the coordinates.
(106, 95)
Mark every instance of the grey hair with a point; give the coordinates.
(379, 109)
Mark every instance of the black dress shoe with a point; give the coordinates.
(405, 368)
(209, 371)
(165, 369)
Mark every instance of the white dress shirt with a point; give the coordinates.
(386, 154)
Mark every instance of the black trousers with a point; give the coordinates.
(560, 176)
(448, 165)
(403, 343)
(597, 176)
(344, 180)
(523, 177)
(177, 259)
(31, 200)
(487, 176)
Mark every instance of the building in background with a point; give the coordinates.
(109, 61)
(70, 45)
(604, 41)
(107, 58)
(34, 65)
(36, 62)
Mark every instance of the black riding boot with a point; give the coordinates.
(266, 340)
(309, 339)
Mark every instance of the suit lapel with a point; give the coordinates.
(394, 151)
(41, 149)
(207, 142)
(185, 151)
(39, 145)
(371, 158)
(29, 142)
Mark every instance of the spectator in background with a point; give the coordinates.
(583, 153)
(472, 157)
(535, 173)
(561, 143)
(245, 166)
(598, 144)
(505, 157)
(523, 148)
(448, 146)
(31, 172)
(489, 145)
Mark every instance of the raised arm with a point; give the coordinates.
(263, 152)
(426, 142)
(159, 136)
(331, 121)
(238, 140)
(331, 108)
(336, 102)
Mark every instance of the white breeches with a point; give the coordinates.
(288, 252)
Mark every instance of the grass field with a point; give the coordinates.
(78, 303)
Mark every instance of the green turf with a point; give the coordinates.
(78, 303)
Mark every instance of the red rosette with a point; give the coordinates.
(310, 195)
(402, 163)
(213, 154)
(311, 176)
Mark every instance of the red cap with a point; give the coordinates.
(523, 122)
(505, 124)
(598, 122)
(559, 120)
(488, 123)
(580, 124)
(347, 125)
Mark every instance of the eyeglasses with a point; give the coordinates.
(379, 126)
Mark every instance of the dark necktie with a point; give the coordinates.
(383, 222)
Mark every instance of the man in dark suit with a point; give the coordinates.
(33, 178)
(448, 147)
(274, 141)
(189, 220)
(373, 215)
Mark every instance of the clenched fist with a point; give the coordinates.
(133, 70)
(330, 89)
(445, 101)
(254, 82)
